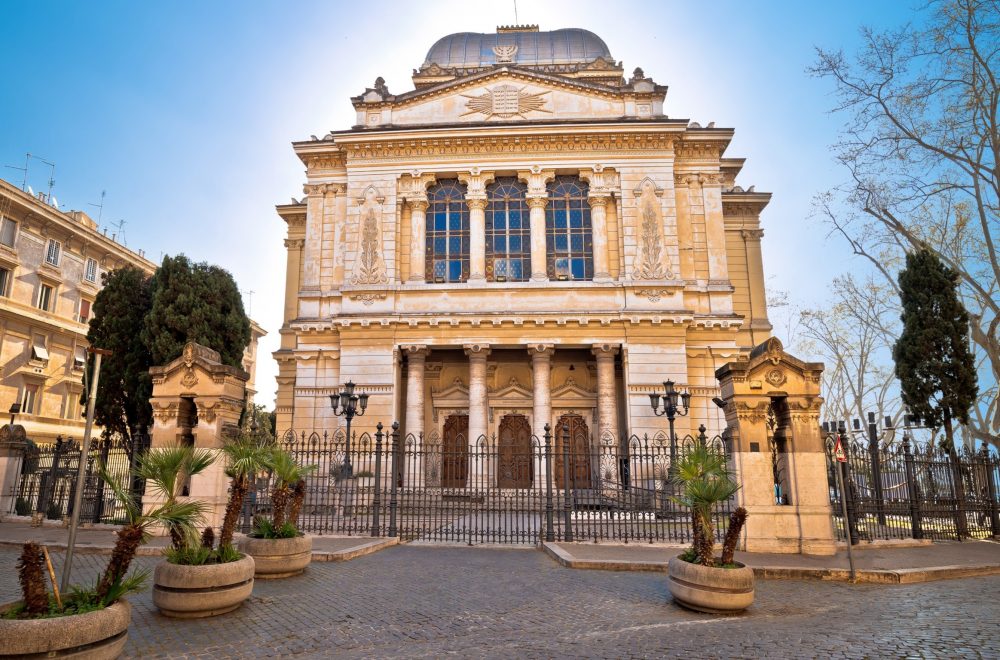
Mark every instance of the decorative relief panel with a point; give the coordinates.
(505, 101)
(651, 258)
(369, 265)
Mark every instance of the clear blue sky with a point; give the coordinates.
(183, 111)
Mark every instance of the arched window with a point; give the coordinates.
(447, 233)
(508, 232)
(569, 242)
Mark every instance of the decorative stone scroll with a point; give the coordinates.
(369, 265)
(650, 263)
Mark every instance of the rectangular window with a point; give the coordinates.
(38, 350)
(45, 296)
(84, 310)
(30, 399)
(80, 357)
(8, 232)
(5, 279)
(53, 252)
(90, 273)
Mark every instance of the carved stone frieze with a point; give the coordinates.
(505, 101)
(368, 298)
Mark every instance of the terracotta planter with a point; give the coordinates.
(95, 635)
(278, 558)
(192, 592)
(712, 590)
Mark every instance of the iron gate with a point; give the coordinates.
(512, 488)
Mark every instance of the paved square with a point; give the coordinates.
(413, 601)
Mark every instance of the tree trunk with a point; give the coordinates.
(736, 520)
(129, 540)
(706, 547)
(298, 497)
(233, 508)
(29, 574)
(279, 502)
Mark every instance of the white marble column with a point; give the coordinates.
(541, 376)
(418, 239)
(599, 232)
(416, 356)
(478, 413)
(539, 272)
(477, 237)
(607, 401)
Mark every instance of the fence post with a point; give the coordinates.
(393, 504)
(851, 524)
(989, 467)
(567, 502)
(99, 497)
(377, 500)
(912, 488)
(876, 462)
(550, 532)
(47, 484)
(958, 491)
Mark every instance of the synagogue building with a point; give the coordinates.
(526, 237)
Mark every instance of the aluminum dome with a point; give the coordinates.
(471, 49)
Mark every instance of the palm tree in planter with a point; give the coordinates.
(198, 577)
(698, 579)
(276, 544)
(94, 618)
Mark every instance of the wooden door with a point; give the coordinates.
(455, 452)
(514, 458)
(579, 452)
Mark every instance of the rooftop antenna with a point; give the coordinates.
(100, 207)
(24, 181)
(121, 225)
(249, 294)
(52, 174)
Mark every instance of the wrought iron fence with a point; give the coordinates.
(897, 489)
(48, 476)
(515, 488)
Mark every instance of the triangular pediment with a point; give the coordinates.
(504, 95)
(571, 389)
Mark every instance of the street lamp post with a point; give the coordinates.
(348, 405)
(670, 409)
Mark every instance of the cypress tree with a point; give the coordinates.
(120, 310)
(934, 365)
(195, 302)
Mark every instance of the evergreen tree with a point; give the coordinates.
(120, 311)
(934, 365)
(195, 302)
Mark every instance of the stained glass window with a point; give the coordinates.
(567, 226)
(508, 232)
(447, 233)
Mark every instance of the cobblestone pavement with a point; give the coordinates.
(428, 602)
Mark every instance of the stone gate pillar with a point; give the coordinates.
(773, 385)
(197, 400)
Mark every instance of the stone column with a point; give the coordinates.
(418, 239)
(314, 235)
(599, 234)
(477, 238)
(539, 272)
(12, 449)
(755, 278)
(607, 402)
(715, 230)
(685, 236)
(478, 413)
(293, 265)
(541, 376)
(416, 357)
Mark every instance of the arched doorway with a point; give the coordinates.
(455, 452)
(579, 452)
(514, 464)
